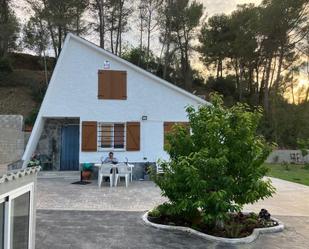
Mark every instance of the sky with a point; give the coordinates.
(224, 6)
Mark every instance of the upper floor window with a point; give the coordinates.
(112, 84)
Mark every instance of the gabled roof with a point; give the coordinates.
(132, 66)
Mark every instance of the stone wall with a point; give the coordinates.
(14, 122)
(289, 156)
(50, 140)
(11, 138)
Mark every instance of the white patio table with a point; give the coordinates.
(115, 166)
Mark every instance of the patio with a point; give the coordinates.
(62, 195)
(85, 216)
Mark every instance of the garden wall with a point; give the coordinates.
(289, 156)
(12, 143)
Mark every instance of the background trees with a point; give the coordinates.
(9, 27)
(256, 54)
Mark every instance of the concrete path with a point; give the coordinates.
(291, 199)
(125, 230)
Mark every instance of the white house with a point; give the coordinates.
(97, 102)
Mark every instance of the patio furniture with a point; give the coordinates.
(105, 171)
(159, 169)
(123, 171)
(131, 166)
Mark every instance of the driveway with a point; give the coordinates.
(81, 217)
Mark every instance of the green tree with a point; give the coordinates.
(9, 28)
(59, 18)
(218, 167)
(179, 21)
(142, 58)
(214, 38)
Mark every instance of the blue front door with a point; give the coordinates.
(69, 148)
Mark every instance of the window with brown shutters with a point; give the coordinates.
(111, 136)
(133, 136)
(168, 126)
(112, 84)
(89, 136)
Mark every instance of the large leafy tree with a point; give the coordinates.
(214, 38)
(179, 21)
(218, 167)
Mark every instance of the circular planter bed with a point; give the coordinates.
(158, 222)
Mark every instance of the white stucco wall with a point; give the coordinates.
(73, 93)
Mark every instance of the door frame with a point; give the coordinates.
(65, 125)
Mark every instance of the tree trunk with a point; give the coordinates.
(100, 6)
(168, 40)
(59, 40)
(119, 26)
(112, 32)
(281, 56)
(148, 33)
(4, 43)
(266, 86)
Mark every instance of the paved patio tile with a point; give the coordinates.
(60, 194)
(85, 216)
(125, 230)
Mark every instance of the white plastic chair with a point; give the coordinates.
(123, 171)
(131, 166)
(105, 171)
(159, 169)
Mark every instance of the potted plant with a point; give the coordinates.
(34, 161)
(87, 171)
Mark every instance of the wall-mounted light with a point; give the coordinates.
(144, 118)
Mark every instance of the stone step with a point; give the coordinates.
(59, 174)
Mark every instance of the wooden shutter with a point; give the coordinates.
(89, 136)
(168, 126)
(112, 84)
(119, 85)
(133, 136)
(105, 84)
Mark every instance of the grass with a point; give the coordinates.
(290, 172)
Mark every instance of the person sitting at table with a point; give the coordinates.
(111, 159)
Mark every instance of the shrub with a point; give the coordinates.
(38, 92)
(285, 166)
(217, 167)
(30, 120)
(303, 145)
(5, 67)
(154, 213)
